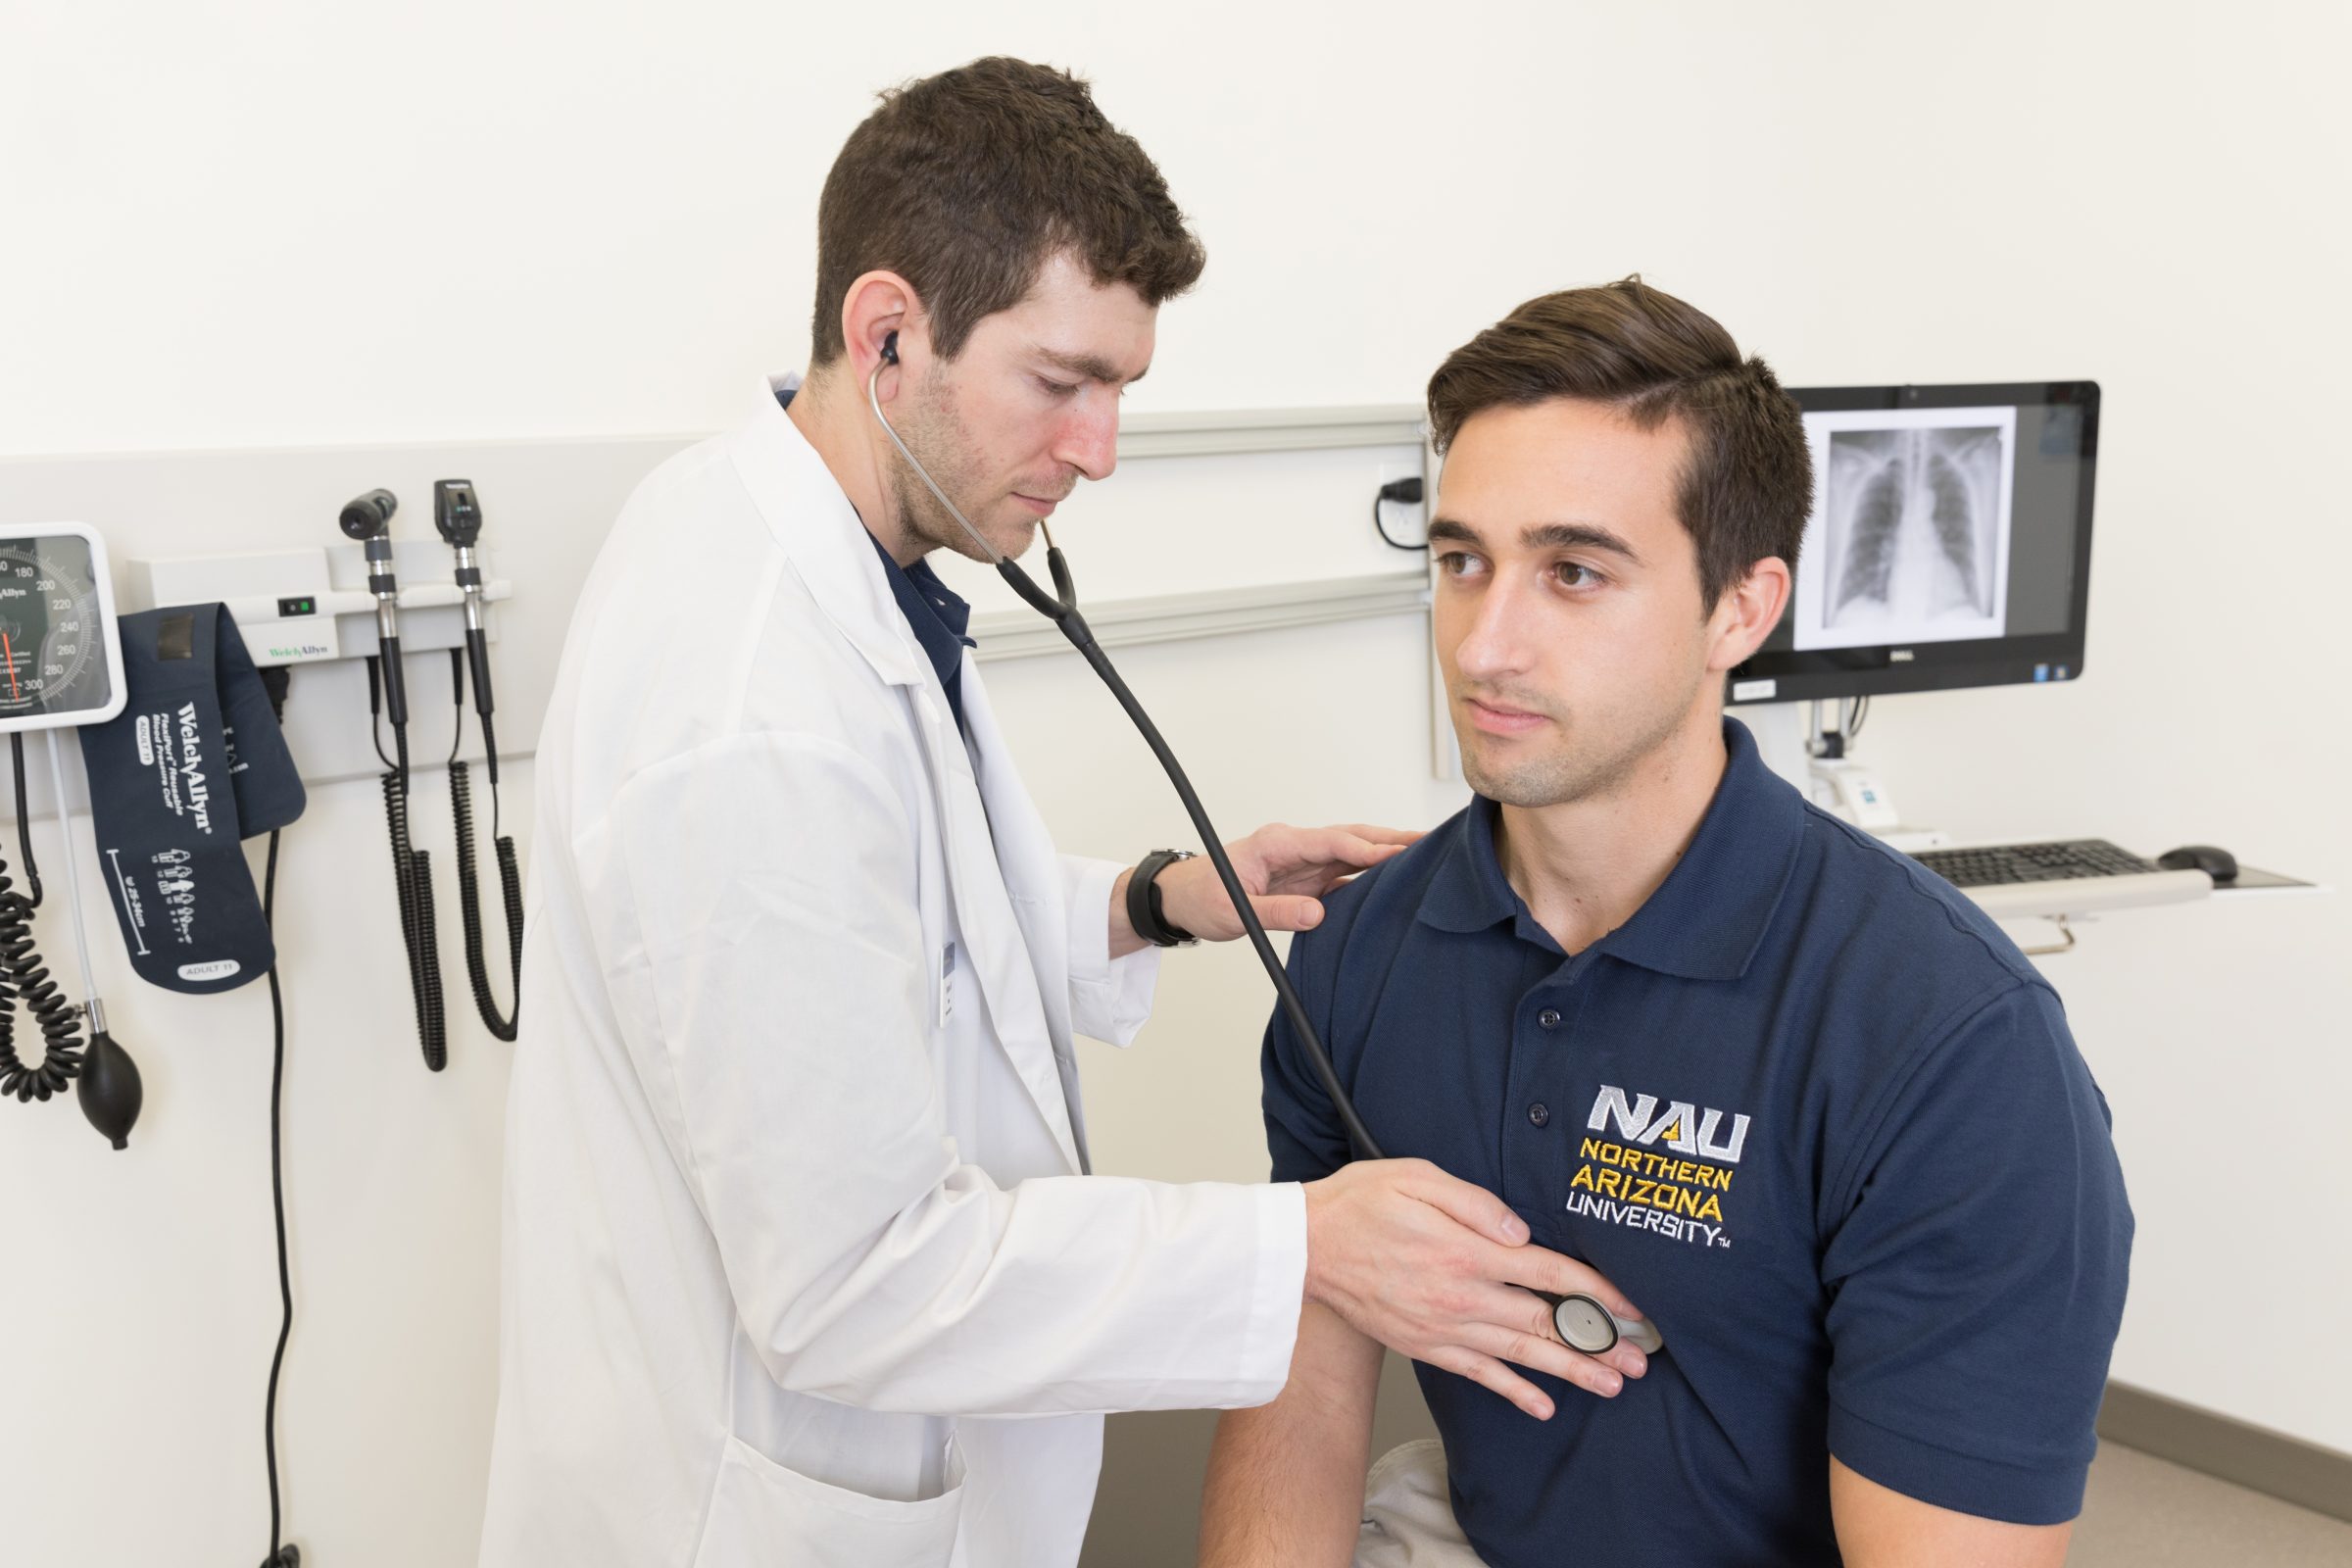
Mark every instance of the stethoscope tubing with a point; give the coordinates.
(1062, 610)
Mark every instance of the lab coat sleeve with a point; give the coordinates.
(769, 968)
(1109, 997)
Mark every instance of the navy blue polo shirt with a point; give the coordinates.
(1809, 1110)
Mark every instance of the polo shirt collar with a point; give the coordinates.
(1706, 920)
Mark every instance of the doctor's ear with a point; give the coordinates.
(875, 312)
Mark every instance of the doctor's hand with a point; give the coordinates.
(1440, 1270)
(1285, 869)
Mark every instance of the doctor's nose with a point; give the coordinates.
(1089, 438)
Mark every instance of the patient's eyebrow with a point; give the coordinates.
(1577, 536)
(1092, 367)
(1445, 530)
(1541, 536)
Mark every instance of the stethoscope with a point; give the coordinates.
(1583, 1322)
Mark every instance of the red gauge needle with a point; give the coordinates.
(9, 649)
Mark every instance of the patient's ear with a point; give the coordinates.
(1746, 614)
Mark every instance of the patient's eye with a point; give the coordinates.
(1459, 562)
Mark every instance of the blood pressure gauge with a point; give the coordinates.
(61, 654)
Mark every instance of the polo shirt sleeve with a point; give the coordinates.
(1977, 1268)
(1304, 1135)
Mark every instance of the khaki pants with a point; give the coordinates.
(1409, 1521)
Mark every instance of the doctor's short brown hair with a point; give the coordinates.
(968, 182)
(1746, 486)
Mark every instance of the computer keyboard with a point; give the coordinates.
(2063, 876)
(2059, 860)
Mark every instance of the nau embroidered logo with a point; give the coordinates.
(1626, 1180)
(1682, 1127)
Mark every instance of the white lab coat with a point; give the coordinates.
(800, 1269)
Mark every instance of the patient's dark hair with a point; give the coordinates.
(1746, 486)
(966, 182)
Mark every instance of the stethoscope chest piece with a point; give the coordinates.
(1585, 1325)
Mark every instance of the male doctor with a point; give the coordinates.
(803, 1268)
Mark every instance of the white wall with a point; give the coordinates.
(270, 224)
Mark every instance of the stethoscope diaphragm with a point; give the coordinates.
(1585, 1325)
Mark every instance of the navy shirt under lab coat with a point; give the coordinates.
(1809, 1110)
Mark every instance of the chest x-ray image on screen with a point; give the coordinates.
(1949, 543)
(1909, 541)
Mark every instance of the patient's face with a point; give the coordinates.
(1567, 615)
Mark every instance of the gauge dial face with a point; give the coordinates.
(52, 651)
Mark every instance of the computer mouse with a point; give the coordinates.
(2219, 864)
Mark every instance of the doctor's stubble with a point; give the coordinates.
(935, 433)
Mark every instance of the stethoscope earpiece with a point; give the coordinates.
(890, 349)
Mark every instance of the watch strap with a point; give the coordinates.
(1144, 910)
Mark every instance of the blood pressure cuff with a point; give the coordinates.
(192, 766)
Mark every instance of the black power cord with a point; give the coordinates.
(1404, 491)
(502, 1026)
(276, 679)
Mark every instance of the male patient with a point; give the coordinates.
(1805, 1105)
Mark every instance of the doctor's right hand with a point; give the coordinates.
(1441, 1270)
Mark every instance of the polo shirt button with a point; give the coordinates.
(1549, 1017)
(1539, 1113)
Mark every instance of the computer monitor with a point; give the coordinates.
(1949, 544)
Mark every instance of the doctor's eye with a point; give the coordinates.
(1054, 388)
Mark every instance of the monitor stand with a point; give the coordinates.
(1846, 789)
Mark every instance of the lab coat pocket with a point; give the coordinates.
(763, 1515)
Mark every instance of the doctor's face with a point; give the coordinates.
(1567, 605)
(1029, 408)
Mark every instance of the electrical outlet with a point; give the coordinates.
(1404, 523)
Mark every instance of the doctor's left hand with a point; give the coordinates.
(1285, 869)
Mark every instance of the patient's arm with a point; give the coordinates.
(1881, 1528)
(1286, 1481)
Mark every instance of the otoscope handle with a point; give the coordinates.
(395, 692)
(477, 659)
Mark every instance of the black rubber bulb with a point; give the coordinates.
(109, 1090)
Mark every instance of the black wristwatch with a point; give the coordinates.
(1144, 911)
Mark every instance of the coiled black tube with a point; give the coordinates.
(426, 958)
(412, 881)
(24, 978)
(470, 906)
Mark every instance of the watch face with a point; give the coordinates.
(53, 657)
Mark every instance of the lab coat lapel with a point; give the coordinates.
(820, 534)
(989, 881)
(1033, 882)
(814, 523)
